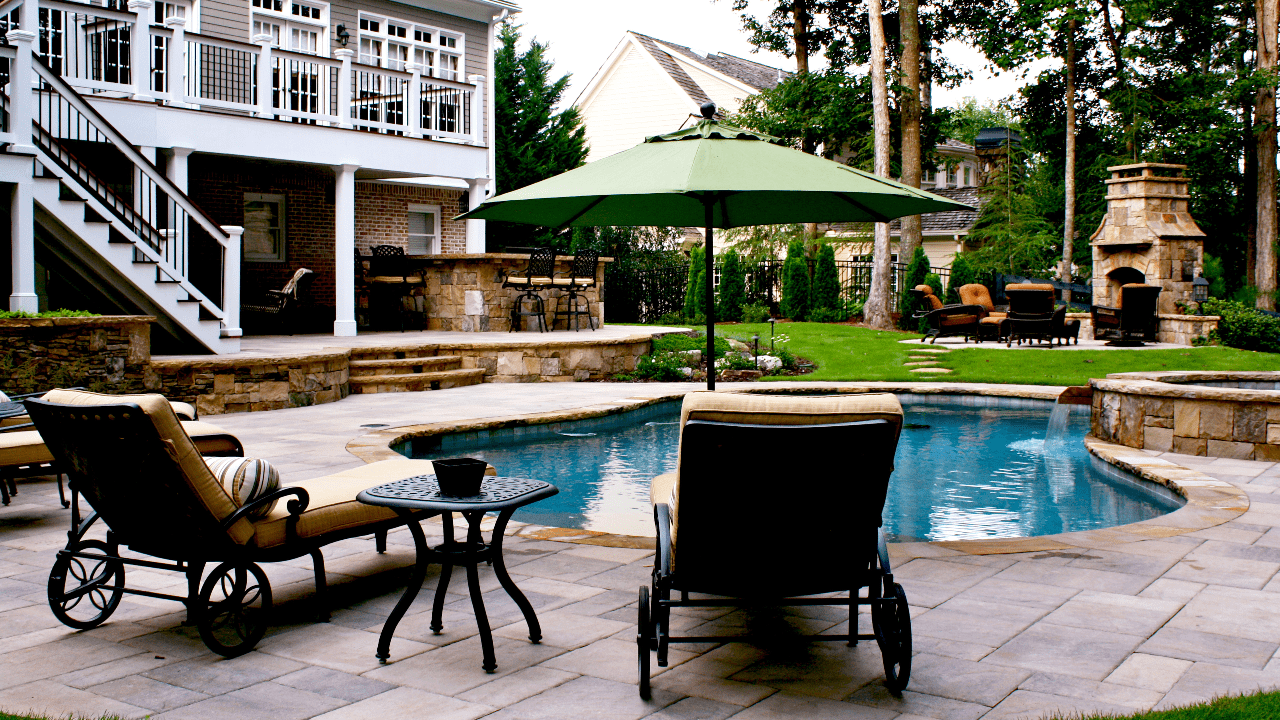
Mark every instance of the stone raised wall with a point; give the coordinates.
(110, 353)
(1169, 412)
(219, 385)
(464, 293)
(1182, 329)
(553, 362)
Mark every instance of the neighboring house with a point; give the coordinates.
(649, 86)
(178, 156)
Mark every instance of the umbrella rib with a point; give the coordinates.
(599, 199)
(878, 217)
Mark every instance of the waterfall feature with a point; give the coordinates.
(1055, 434)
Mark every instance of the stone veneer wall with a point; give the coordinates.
(1167, 412)
(109, 353)
(1182, 329)
(552, 362)
(464, 293)
(219, 385)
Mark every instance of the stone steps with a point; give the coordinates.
(416, 381)
(397, 366)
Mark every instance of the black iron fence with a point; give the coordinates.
(645, 293)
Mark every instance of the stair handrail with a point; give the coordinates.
(75, 100)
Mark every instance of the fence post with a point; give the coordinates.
(175, 61)
(140, 58)
(477, 110)
(344, 87)
(413, 114)
(231, 283)
(266, 83)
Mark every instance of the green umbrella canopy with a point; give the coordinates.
(747, 179)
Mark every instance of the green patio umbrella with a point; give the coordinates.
(714, 176)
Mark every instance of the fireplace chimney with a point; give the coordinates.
(1147, 235)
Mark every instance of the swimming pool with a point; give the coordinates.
(967, 467)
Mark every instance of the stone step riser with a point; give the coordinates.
(415, 382)
(433, 361)
(378, 370)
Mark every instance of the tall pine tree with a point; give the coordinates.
(532, 141)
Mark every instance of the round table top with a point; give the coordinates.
(422, 492)
(12, 409)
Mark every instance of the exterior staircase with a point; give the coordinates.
(408, 369)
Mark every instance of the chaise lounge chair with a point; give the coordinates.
(946, 320)
(719, 531)
(131, 460)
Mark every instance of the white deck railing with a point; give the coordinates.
(92, 48)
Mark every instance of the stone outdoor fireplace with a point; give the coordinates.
(1147, 235)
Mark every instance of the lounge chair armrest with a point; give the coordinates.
(295, 507)
(662, 514)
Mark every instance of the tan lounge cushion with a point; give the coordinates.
(333, 505)
(184, 411)
(660, 488)
(975, 294)
(25, 447)
(1029, 286)
(184, 452)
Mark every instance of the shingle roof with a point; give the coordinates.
(940, 223)
(750, 73)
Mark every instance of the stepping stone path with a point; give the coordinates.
(915, 364)
(932, 370)
(926, 363)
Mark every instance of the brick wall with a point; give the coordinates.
(218, 185)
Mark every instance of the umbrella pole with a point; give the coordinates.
(710, 300)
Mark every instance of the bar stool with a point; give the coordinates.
(537, 276)
(389, 269)
(582, 275)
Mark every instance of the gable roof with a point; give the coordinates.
(948, 222)
(677, 73)
(752, 75)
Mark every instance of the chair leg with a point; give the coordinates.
(62, 493)
(194, 572)
(322, 586)
(380, 541)
(4, 490)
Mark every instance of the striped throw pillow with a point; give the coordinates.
(246, 479)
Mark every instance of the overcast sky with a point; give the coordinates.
(582, 34)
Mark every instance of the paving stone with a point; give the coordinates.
(454, 669)
(1078, 578)
(980, 623)
(611, 659)
(264, 701)
(566, 630)
(1176, 590)
(725, 660)
(57, 657)
(147, 693)
(45, 698)
(1151, 672)
(1028, 705)
(1079, 652)
(1114, 613)
(336, 647)
(587, 698)
(822, 669)
(950, 648)
(731, 692)
(1186, 644)
(693, 708)
(1069, 686)
(406, 702)
(1235, 612)
(517, 686)
(918, 704)
(1204, 681)
(1046, 597)
(973, 682)
(334, 684)
(108, 671)
(215, 675)
(787, 705)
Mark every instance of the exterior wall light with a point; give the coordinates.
(344, 37)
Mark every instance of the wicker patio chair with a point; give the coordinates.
(284, 304)
(992, 323)
(707, 515)
(1133, 320)
(1030, 312)
(131, 460)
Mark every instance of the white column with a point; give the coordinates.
(140, 49)
(344, 88)
(413, 116)
(231, 283)
(266, 109)
(22, 233)
(477, 110)
(344, 246)
(21, 103)
(176, 170)
(476, 192)
(175, 59)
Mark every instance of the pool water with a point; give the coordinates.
(962, 471)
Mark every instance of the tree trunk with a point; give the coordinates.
(926, 77)
(1265, 130)
(1113, 42)
(909, 23)
(1248, 209)
(800, 34)
(1069, 180)
(877, 310)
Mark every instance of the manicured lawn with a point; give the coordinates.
(844, 352)
(1262, 706)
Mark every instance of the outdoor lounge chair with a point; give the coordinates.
(1030, 312)
(1133, 320)
(946, 320)
(23, 453)
(283, 304)
(992, 324)
(707, 516)
(130, 459)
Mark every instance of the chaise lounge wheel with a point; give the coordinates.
(83, 592)
(234, 603)
(891, 623)
(643, 644)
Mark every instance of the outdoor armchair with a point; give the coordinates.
(132, 461)
(944, 320)
(992, 323)
(1030, 312)
(1133, 320)
(732, 476)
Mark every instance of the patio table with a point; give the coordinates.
(502, 495)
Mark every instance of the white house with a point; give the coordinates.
(170, 158)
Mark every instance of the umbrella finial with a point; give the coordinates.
(708, 110)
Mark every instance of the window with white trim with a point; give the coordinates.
(263, 228)
(297, 25)
(968, 177)
(392, 43)
(424, 230)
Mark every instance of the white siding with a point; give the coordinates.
(635, 100)
(726, 97)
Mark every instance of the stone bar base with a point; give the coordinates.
(1218, 414)
(1182, 329)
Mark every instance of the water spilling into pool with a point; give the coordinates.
(1007, 468)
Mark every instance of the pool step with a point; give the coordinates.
(415, 381)
(409, 365)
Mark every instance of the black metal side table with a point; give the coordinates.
(502, 495)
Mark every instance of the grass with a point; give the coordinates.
(845, 352)
(1259, 706)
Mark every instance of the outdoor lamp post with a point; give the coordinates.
(1199, 289)
(755, 339)
(772, 320)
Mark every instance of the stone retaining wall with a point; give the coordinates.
(1182, 329)
(220, 385)
(1169, 412)
(552, 362)
(111, 353)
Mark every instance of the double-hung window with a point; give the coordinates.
(263, 228)
(297, 25)
(424, 230)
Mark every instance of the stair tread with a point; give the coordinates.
(403, 362)
(415, 377)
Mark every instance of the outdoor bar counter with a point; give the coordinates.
(464, 293)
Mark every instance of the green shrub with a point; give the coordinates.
(826, 281)
(671, 318)
(795, 283)
(917, 271)
(828, 315)
(9, 314)
(1243, 327)
(787, 357)
(962, 273)
(735, 361)
(934, 281)
(853, 308)
(1217, 278)
(755, 313)
(695, 293)
(733, 288)
(680, 343)
(664, 367)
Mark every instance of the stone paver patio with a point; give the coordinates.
(1110, 628)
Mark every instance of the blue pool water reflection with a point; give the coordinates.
(962, 471)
